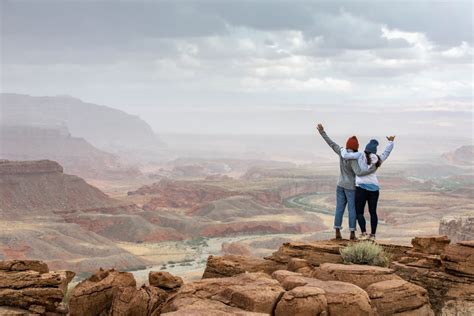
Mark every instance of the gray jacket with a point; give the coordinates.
(349, 168)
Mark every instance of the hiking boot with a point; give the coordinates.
(338, 233)
(353, 236)
(363, 236)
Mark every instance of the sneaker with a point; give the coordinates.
(363, 236)
(372, 237)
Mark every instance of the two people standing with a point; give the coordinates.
(358, 184)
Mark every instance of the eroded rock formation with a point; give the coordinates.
(28, 287)
(431, 278)
(432, 274)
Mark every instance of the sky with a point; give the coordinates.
(250, 66)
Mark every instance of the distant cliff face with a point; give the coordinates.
(457, 228)
(76, 155)
(462, 156)
(102, 126)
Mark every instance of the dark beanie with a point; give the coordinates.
(372, 146)
(352, 143)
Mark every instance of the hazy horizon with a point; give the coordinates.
(251, 67)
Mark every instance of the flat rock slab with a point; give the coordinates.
(360, 275)
(231, 265)
(315, 253)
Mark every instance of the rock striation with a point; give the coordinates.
(27, 287)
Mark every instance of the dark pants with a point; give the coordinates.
(362, 197)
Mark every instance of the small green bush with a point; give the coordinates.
(365, 252)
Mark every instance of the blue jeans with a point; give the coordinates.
(345, 197)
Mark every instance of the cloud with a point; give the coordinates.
(139, 54)
(418, 40)
(463, 50)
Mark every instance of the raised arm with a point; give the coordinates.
(329, 141)
(362, 170)
(388, 148)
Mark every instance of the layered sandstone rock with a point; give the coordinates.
(434, 245)
(360, 275)
(94, 295)
(340, 296)
(230, 265)
(303, 300)
(446, 276)
(326, 251)
(315, 253)
(29, 167)
(459, 258)
(252, 292)
(29, 285)
(394, 297)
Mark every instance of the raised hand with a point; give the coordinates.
(391, 138)
(320, 127)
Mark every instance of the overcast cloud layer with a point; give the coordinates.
(183, 64)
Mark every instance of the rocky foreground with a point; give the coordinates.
(433, 277)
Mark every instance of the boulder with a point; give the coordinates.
(130, 301)
(231, 265)
(434, 245)
(459, 258)
(164, 280)
(94, 295)
(341, 296)
(28, 285)
(302, 301)
(252, 292)
(399, 296)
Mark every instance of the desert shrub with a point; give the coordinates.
(365, 252)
